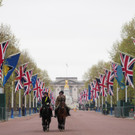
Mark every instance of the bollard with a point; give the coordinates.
(12, 113)
(19, 112)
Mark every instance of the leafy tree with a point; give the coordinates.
(6, 34)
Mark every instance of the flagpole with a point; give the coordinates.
(36, 104)
(96, 103)
(25, 106)
(99, 103)
(111, 103)
(12, 102)
(102, 102)
(106, 104)
(126, 94)
(19, 102)
(33, 102)
(29, 103)
(117, 93)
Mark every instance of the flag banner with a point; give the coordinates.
(127, 64)
(9, 66)
(27, 82)
(89, 92)
(20, 73)
(92, 91)
(103, 85)
(36, 88)
(33, 80)
(41, 90)
(110, 80)
(118, 74)
(96, 89)
(3, 48)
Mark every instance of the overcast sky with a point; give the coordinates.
(78, 33)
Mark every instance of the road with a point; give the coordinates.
(80, 123)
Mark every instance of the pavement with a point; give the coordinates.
(79, 123)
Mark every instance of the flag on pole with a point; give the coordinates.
(102, 84)
(33, 80)
(20, 73)
(28, 82)
(41, 90)
(96, 89)
(127, 64)
(9, 66)
(89, 92)
(36, 88)
(110, 80)
(118, 74)
(3, 48)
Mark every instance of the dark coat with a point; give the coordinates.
(44, 101)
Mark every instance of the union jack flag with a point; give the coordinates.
(110, 80)
(41, 90)
(20, 73)
(96, 89)
(3, 47)
(127, 64)
(102, 85)
(28, 82)
(36, 88)
(114, 68)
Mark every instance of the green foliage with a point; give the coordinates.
(6, 34)
(125, 45)
(1, 3)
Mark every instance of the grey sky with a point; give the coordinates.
(74, 32)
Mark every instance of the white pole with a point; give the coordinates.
(126, 94)
(29, 103)
(19, 98)
(33, 105)
(102, 101)
(99, 102)
(96, 102)
(12, 100)
(29, 100)
(19, 103)
(25, 101)
(36, 104)
(111, 101)
(12, 105)
(117, 93)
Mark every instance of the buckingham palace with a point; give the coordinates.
(74, 86)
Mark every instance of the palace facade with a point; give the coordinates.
(75, 86)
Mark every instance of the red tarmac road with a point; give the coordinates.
(80, 123)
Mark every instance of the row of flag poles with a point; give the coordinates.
(103, 85)
(24, 80)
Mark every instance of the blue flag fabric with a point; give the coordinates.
(120, 77)
(33, 80)
(89, 92)
(9, 66)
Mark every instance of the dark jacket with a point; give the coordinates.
(46, 100)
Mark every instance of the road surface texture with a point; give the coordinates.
(80, 123)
